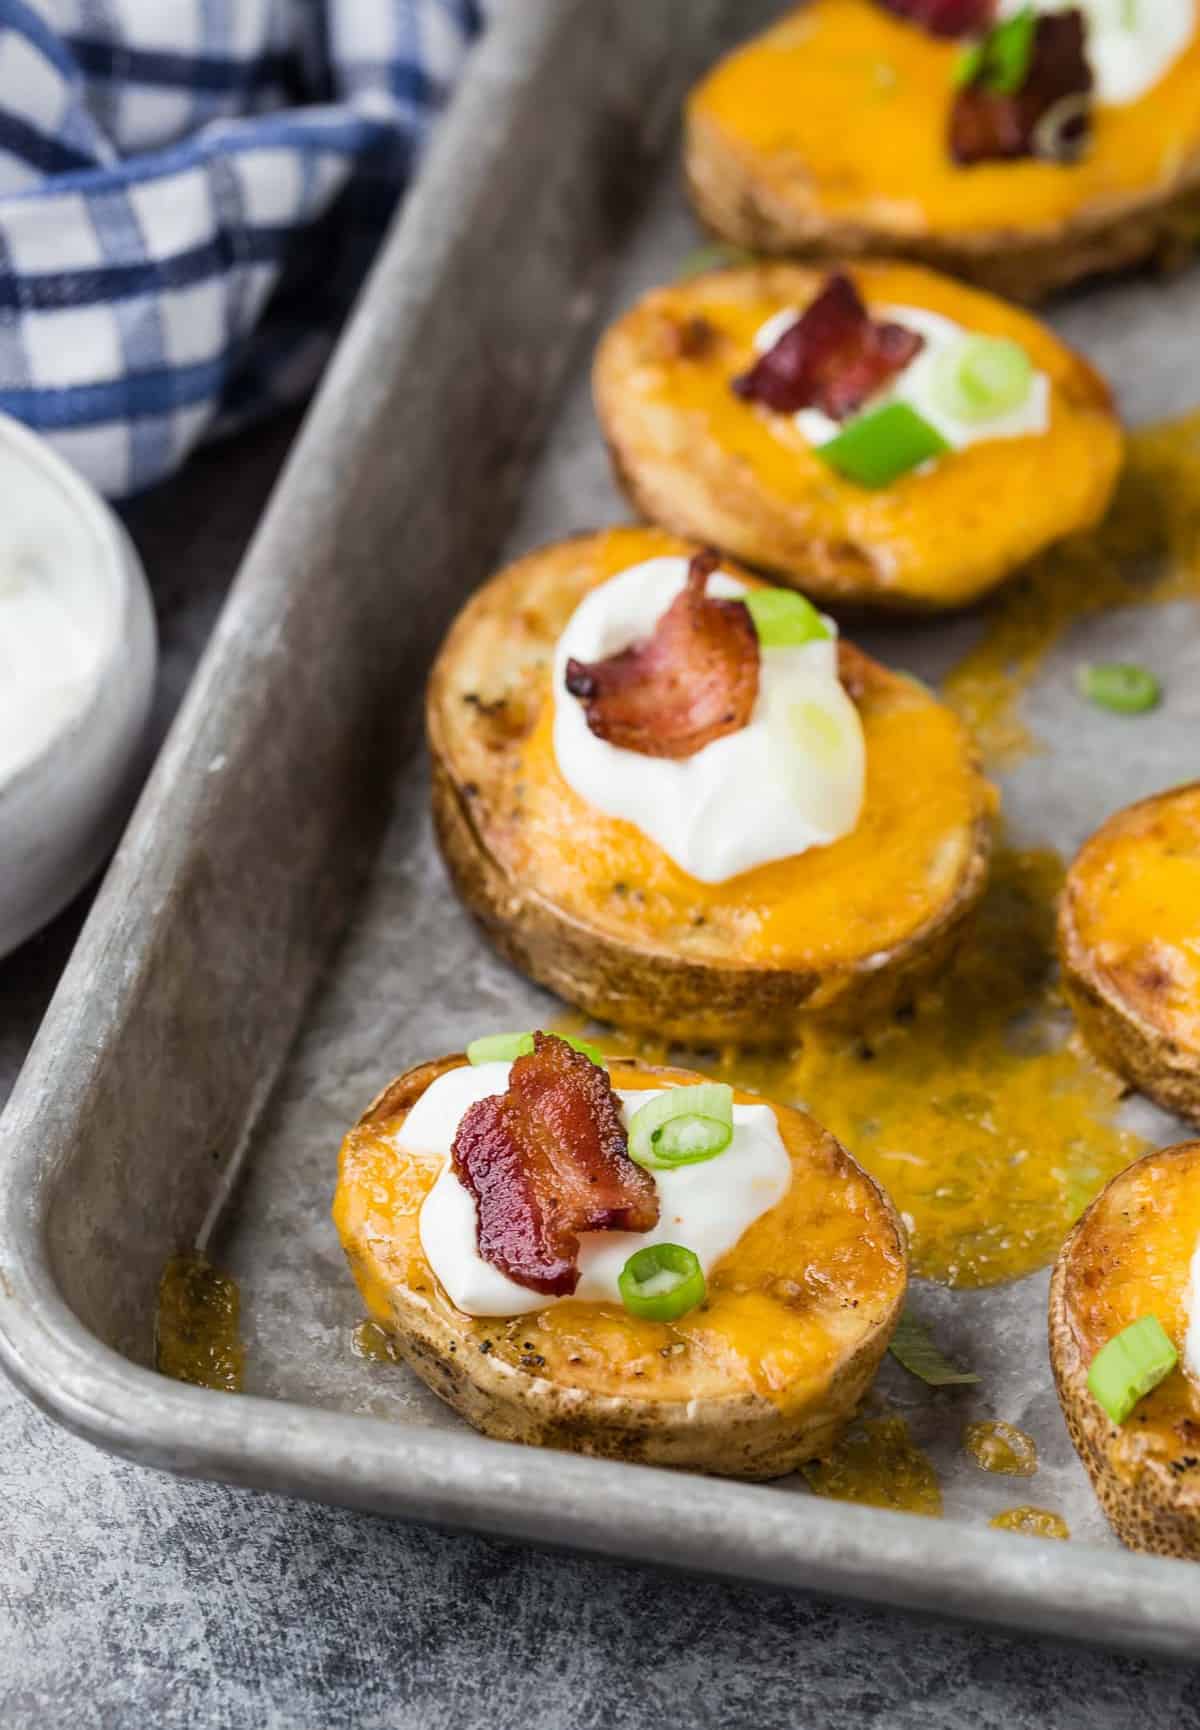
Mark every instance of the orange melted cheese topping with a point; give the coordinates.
(1132, 1258)
(1135, 897)
(805, 1284)
(938, 534)
(867, 892)
(843, 109)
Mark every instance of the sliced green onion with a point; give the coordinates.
(1132, 1363)
(1122, 686)
(880, 446)
(784, 619)
(714, 257)
(1000, 62)
(682, 1126)
(661, 1282)
(967, 66)
(507, 1047)
(981, 379)
(914, 1346)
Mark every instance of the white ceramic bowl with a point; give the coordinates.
(72, 736)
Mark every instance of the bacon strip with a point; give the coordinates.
(833, 358)
(989, 125)
(546, 1161)
(945, 17)
(693, 681)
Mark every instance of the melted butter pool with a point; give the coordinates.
(197, 1337)
(878, 1463)
(979, 1111)
(1033, 1522)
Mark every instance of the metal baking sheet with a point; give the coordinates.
(276, 937)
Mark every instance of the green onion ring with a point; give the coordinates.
(683, 1126)
(881, 445)
(1121, 686)
(1133, 1362)
(981, 379)
(661, 1282)
(507, 1047)
(785, 619)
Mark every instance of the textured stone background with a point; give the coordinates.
(128, 1599)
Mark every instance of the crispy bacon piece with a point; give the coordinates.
(945, 17)
(1049, 116)
(693, 681)
(547, 1160)
(833, 358)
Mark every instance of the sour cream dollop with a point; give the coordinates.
(915, 385)
(792, 779)
(1131, 44)
(707, 1207)
(1191, 1345)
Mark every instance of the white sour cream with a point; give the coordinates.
(914, 385)
(1191, 1345)
(792, 779)
(1131, 44)
(706, 1207)
(51, 649)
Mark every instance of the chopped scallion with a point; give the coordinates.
(1000, 62)
(507, 1047)
(1132, 1363)
(981, 379)
(882, 445)
(1121, 686)
(784, 619)
(715, 257)
(682, 1126)
(914, 1346)
(661, 1282)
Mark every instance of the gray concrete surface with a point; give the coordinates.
(128, 1599)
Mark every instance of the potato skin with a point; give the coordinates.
(1162, 1065)
(794, 146)
(696, 1002)
(689, 454)
(1147, 1484)
(730, 200)
(634, 983)
(745, 1435)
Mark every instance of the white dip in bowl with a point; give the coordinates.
(77, 661)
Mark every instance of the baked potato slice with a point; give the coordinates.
(1129, 939)
(759, 1379)
(1129, 1257)
(694, 456)
(589, 907)
(826, 136)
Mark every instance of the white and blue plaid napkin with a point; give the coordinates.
(190, 191)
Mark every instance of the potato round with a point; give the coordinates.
(695, 457)
(1128, 1257)
(588, 906)
(826, 136)
(762, 1377)
(1129, 938)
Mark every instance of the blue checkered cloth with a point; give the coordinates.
(190, 192)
